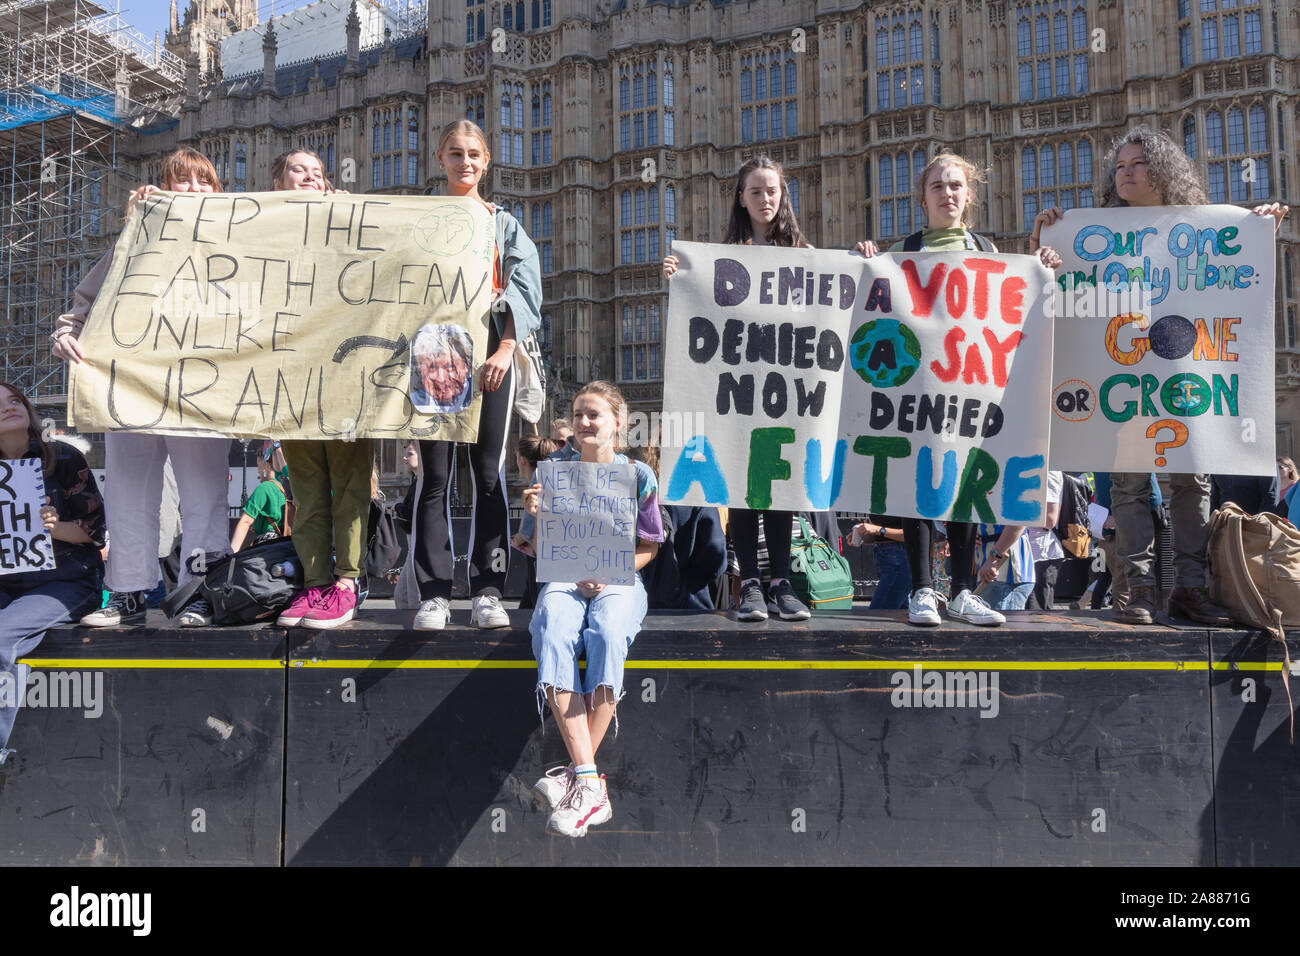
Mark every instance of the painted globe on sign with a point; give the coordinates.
(885, 353)
(446, 232)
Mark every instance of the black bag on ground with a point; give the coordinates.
(384, 551)
(242, 588)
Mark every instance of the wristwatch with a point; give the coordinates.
(998, 557)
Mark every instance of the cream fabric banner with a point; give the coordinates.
(291, 315)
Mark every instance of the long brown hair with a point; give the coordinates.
(34, 430)
(785, 227)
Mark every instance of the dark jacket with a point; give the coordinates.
(688, 562)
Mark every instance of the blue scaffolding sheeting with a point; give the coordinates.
(36, 104)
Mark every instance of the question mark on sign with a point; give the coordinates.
(1180, 437)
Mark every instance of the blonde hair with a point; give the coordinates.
(610, 393)
(974, 177)
(1288, 469)
(468, 128)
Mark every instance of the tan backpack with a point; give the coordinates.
(1255, 574)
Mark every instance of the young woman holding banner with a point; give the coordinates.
(331, 480)
(516, 313)
(601, 619)
(31, 602)
(946, 190)
(1146, 168)
(134, 462)
(761, 213)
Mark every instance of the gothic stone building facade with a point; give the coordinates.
(617, 125)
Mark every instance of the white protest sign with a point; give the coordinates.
(911, 384)
(1164, 341)
(25, 545)
(586, 522)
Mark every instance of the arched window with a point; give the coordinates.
(1029, 181)
(652, 213)
(1189, 136)
(625, 208)
(670, 204)
(537, 219)
(794, 195)
(640, 207)
(546, 221)
(1213, 133)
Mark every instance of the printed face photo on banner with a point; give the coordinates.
(1164, 341)
(290, 315)
(442, 363)
(913, 384)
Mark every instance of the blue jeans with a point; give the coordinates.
(1007, 597)
(895, 577)
(30, 604)
(565, 624)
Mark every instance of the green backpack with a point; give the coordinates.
(819, 574)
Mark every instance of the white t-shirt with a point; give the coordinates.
(1044, 543)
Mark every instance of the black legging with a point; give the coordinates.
(777, 531)
(917, 536)
(490, 531)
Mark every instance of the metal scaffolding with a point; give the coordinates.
(73, 80)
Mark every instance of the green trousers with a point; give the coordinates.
(330, 481)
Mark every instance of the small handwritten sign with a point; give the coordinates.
(586, 522)
(25, 545)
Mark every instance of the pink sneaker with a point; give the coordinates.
(336, 606)
(302, 603)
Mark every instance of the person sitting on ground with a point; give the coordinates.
(31, 602)
(264, 511)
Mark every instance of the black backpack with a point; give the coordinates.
(913, 242)
(1072, 527)
(245, 588)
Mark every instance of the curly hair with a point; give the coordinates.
(1172, 172)
(974, 178)
(785, 227)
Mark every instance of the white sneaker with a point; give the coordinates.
(923, 607)
(432, 615)
(585, 805)
(488, 611)
(553, 786)
(974, 610)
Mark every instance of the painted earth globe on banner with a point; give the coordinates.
(885, 353)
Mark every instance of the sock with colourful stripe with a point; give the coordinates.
(586, 772)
